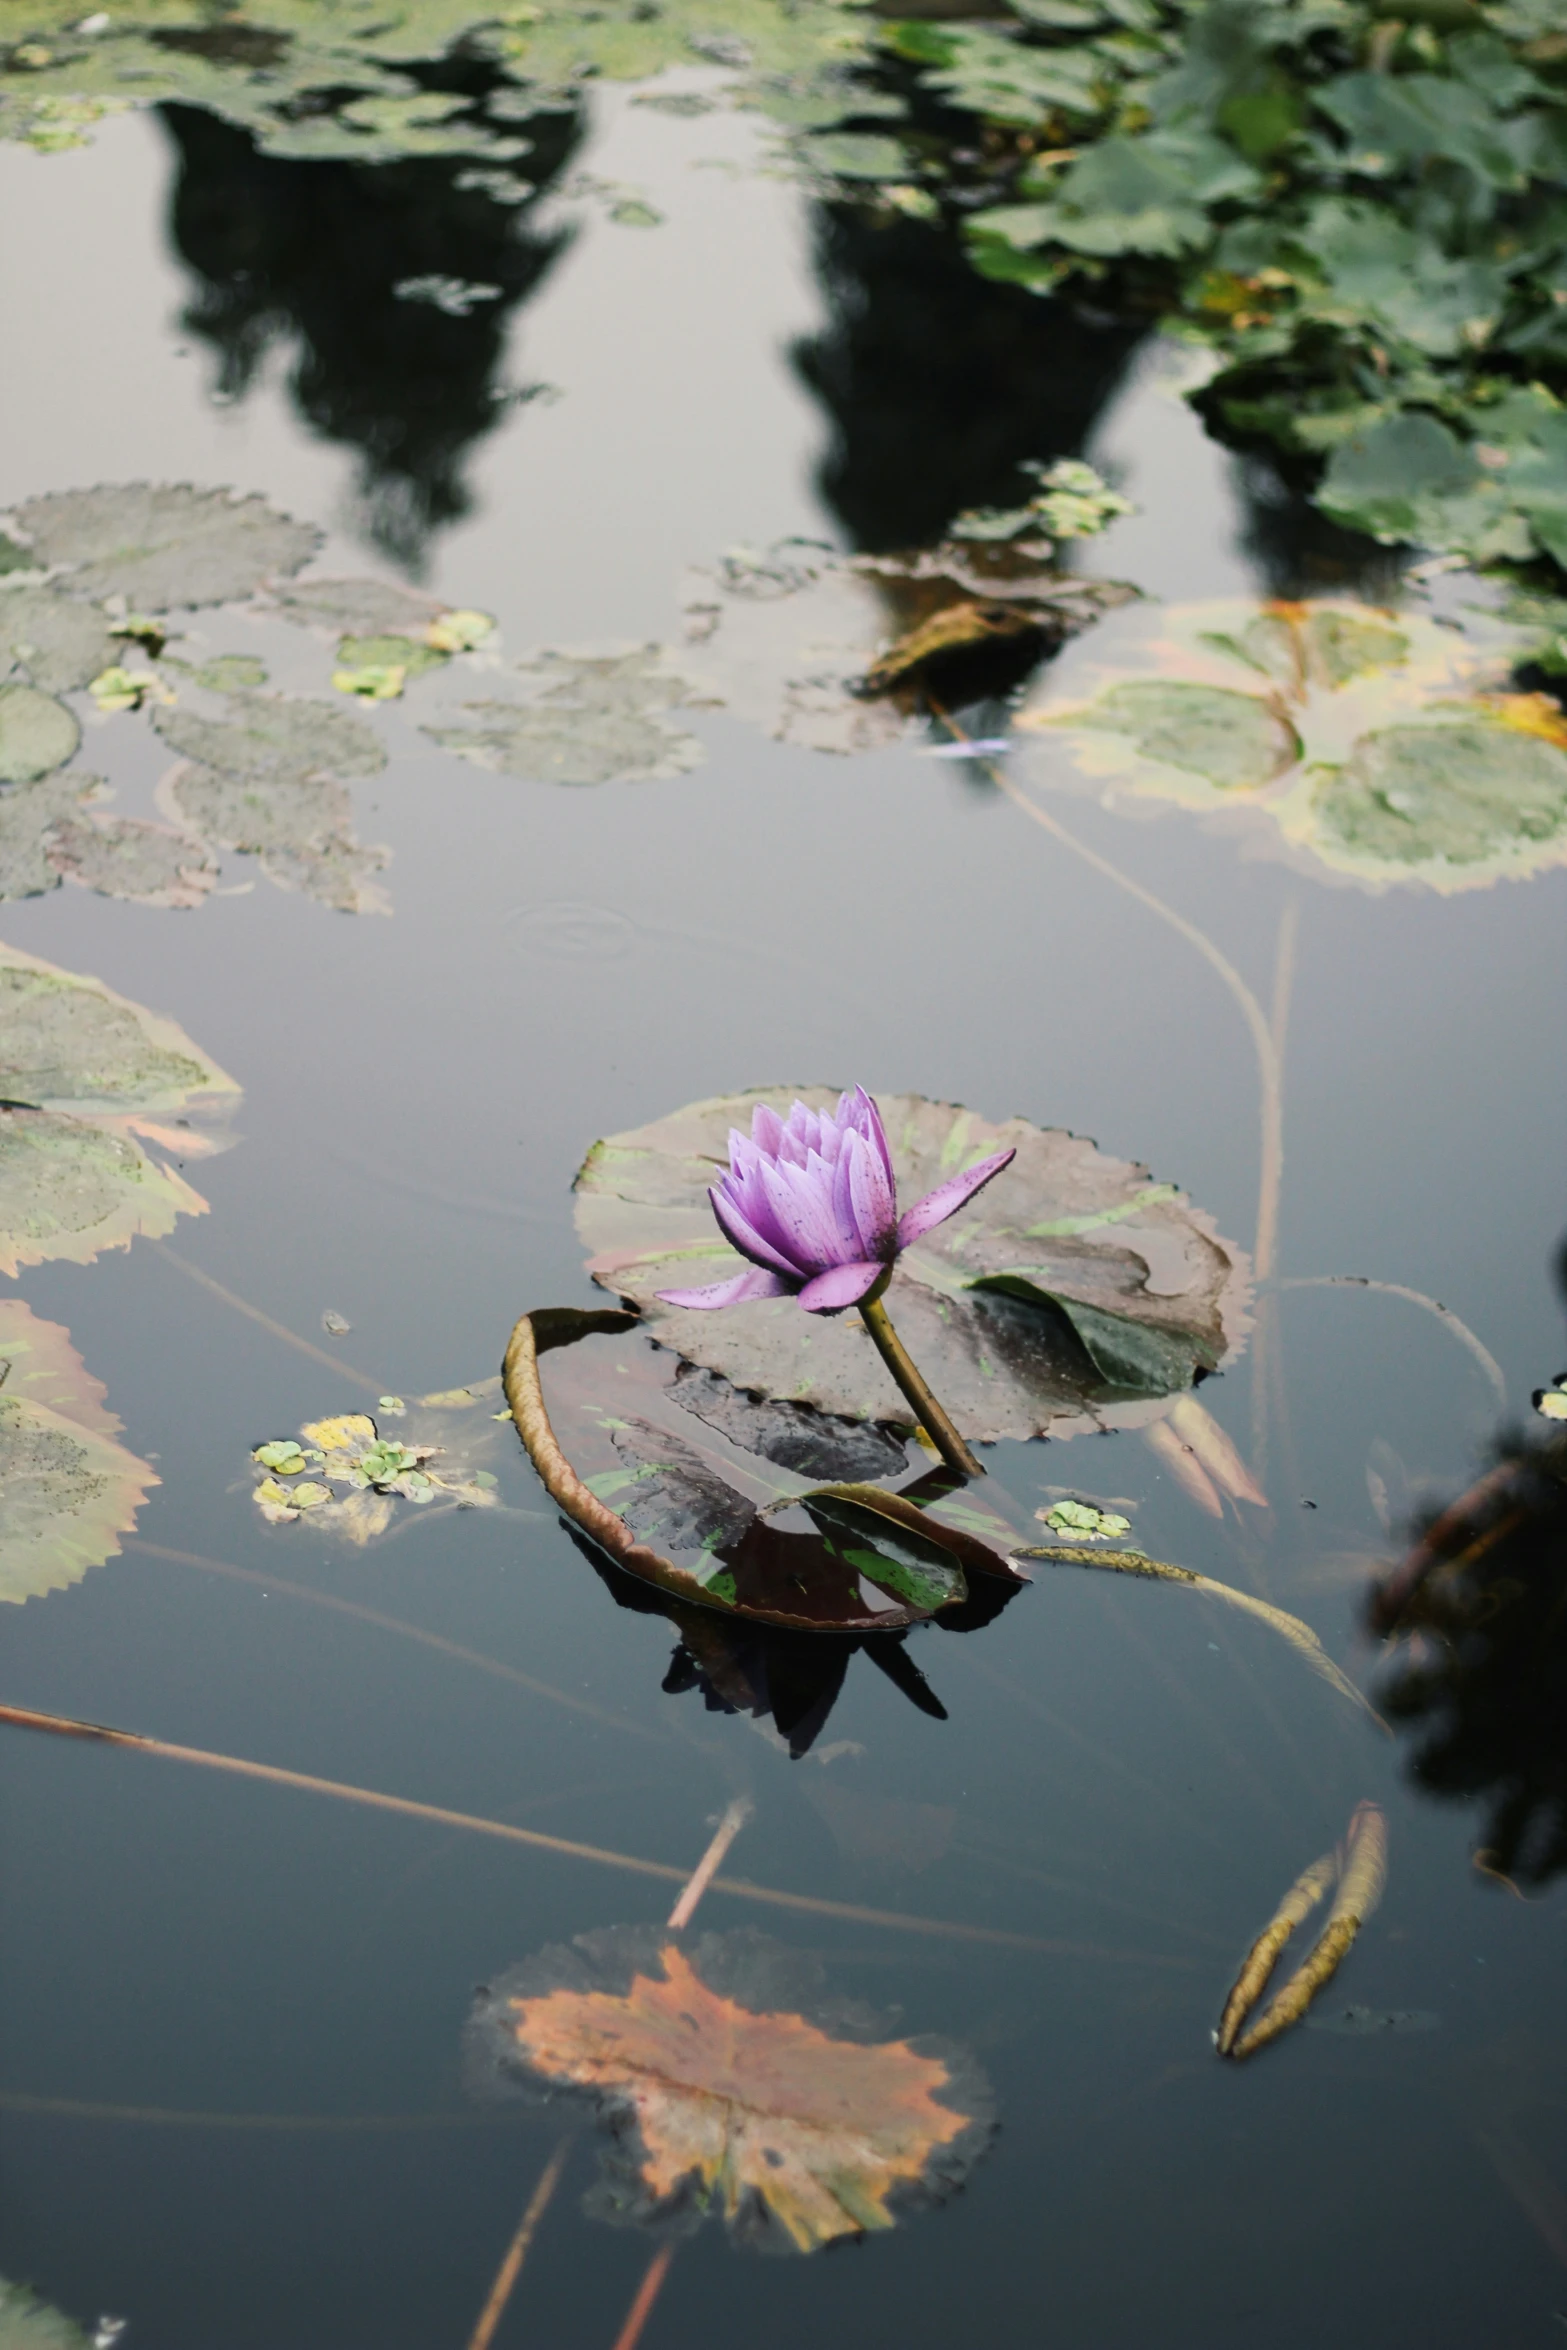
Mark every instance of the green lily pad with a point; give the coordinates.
(160, 547)
(410, 654)
(69, 1190)
(37, 734)
(69, 1043)
(27, 2323)
(590, 718)
(59, 643)
(1074, 1292)
(1363, 743)
(68, 1489)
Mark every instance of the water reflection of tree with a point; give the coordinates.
(1481, 1683)
(940, 382)
(310, 252)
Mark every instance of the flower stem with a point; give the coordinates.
(927, 1410)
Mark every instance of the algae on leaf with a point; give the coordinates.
(161, 546)
(27, 2323)
(1074, 1293)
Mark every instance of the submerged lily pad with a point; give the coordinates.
(589, 718)
(37, 734)
(68, 1490)
(359, 607)
(58, 642)
(1367, 743)
(729, 2087)
(265, 738)
(163, 546)
(1075, 1292)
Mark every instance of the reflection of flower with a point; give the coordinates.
(812, 1201)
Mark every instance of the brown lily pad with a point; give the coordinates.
(68, 1489)
(731, 2088)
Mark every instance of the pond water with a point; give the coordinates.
(233, 2099)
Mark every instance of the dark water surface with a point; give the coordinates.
(1127, 1777)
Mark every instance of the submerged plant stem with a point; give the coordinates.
(912, 1387)
(702, 1875)
(517, 2250)
(647, 2293)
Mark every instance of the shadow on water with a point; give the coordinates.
(311, 254)
(1480, 1684)
(939, 382)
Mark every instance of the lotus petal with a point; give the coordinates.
(947, 1198)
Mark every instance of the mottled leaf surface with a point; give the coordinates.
(1362, 743)
(1075, 1292)
(160, 546)
(729, 2087)
(68, 1490)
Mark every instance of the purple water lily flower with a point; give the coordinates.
(811, 1200)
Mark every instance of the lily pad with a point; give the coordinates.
(1362, 742)
(121, 857)
(37, 734)
(68, 1490)
(164, 546)
(264, 780)
(698, 1510)
(729, 2087)
(27, 2323)
(359, 607)
(69, 1043)
(69, 1190)
(301, 828)
(589, 718)
(58, 642)
(29, 814)
(1074, 1293)
(265, 738)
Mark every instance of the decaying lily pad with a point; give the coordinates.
(59, 643)
(161, 546)
(701, 1508)
(29, 815)
(730, 2088)
(68, 1490)
(1074, 1293)
(86, 1078)
(37, 734)
(121, 857)
(1368, 743)
(264, 780)
(588, 718)
(797, 639)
